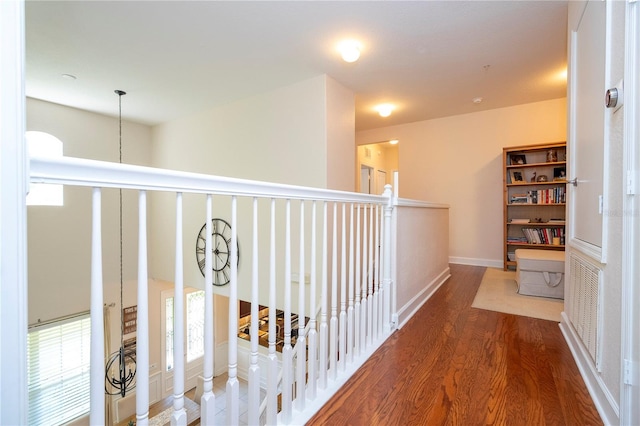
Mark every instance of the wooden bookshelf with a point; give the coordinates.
(534, 201)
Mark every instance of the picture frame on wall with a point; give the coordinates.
(517, 176)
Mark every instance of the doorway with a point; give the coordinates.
(376, 163)
(193, 338)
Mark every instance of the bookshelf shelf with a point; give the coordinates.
(534, 204)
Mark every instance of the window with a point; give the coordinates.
(42, 144)
(58, 370)
(194, 327)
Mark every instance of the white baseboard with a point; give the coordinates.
(603, 400)
(410, 308)
(489, 263)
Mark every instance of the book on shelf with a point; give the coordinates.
(543, 235)
(512, 239)
(547, 196)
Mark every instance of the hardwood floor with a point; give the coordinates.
(457, 365)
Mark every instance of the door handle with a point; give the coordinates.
(573, 182)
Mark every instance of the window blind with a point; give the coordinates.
(58, 364)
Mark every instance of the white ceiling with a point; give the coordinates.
(177, 58)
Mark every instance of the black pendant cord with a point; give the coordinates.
(120, 93)
(125, 360)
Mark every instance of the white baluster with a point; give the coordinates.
(342, 347)
(370, 279)
(179, 415)
(233, 386)
(208, 399)
(287, 350)
(313, 345)
(365, 260)
(324, 350)
(142, 329)
(272, 372)
(379, 269)
(254, 368)
(96, 414)
(333, 322)
(357, 308)
(386, 283)
(350, 325)
(376, 283)
(301, 342)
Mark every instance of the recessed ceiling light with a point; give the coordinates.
(349, 50)
(477, 100)
(68, 76)
(385, 109)
(394, 141)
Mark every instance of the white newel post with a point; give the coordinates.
(179, 415)
(142, 329)
(207, 401)
(386, 267)
(96, 415)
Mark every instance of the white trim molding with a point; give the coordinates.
(603, 399)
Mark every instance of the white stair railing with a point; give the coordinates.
(326, 353)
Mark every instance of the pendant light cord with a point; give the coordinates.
(120, 93)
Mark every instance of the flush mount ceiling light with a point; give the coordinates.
(477, 100)
(349, 50)
(384, 109)
(394, 141)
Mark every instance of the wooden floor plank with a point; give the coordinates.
(452, 364)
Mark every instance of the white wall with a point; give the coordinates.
(287, 136)
(340, 125)
(59, 237)
(280, 136)
(422, 260)
(457, 161)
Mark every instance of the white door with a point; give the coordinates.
(193, 338)
(587, 143)
(366, 176)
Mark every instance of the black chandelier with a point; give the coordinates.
(124, 358)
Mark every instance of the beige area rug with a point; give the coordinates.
(498, 292)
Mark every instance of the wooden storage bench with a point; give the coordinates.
(540, 273)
